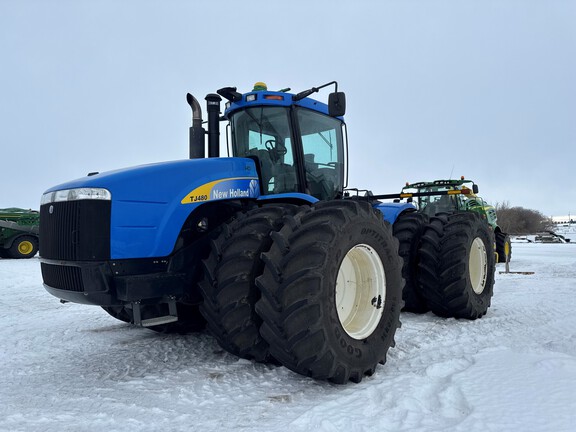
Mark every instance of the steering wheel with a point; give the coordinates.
(270, 145)
(275, 150)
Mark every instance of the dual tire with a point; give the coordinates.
(449, 263)
(457, 264)
(317, 289)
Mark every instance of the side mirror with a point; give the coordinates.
(336, 104)
(475, 188)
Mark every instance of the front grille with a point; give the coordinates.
(62, 277)
(75, 230)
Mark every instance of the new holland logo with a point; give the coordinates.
(230, 188)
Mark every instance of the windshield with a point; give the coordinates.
(264, 132)
(434, 204)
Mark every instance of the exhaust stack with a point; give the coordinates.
(213, 107)
(197, 132)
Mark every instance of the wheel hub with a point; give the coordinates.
(360, 291)
(25, 247)
(478, 265)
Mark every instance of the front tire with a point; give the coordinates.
(332, 291)
(457, 264)
(228, 288)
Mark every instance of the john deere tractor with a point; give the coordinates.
(266, 247)
(438, 202)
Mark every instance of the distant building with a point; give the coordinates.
(563, 219)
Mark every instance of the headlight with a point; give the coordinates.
(76, 194)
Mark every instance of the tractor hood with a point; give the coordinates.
(150, 203)
(162, 182)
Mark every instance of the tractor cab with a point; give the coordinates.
(445, 196)
(298, 143)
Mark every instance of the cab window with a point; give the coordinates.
(323, 148)
(264, 132)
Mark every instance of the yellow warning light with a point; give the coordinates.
(260, 86)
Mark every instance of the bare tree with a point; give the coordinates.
(518, 220)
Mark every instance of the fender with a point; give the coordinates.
(150, 203)
(292, 198)
(391, 211)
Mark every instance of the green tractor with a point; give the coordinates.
(19, 230)
(424, 236)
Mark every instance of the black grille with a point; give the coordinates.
(62, 277)
(75, 230)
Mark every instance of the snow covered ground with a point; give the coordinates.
(74, 368)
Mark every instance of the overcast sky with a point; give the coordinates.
(435, 89)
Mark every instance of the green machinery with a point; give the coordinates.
(451, 196)
(436, 203)
(19, 230)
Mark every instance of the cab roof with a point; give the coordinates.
(439, 183)
(272, 98)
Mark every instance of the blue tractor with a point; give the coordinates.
(267, 248)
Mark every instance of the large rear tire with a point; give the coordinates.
(332, 291)
(228, 288)
(457, 264)
(408, 229)
(503, 247)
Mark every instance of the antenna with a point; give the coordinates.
(451, 172)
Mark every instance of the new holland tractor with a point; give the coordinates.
(266, 247)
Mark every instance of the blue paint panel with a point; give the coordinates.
(147, 213)
(391, 211)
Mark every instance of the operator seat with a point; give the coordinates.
(320, 180)
(445, 204)
(265, 162)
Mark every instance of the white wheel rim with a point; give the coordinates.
(360, 291)
(478, 265)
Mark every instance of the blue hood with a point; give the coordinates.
(150, 203)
